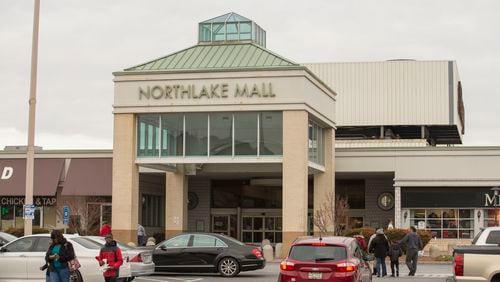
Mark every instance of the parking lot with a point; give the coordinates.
(425, 273)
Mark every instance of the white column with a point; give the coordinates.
(397, 207)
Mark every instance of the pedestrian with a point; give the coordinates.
(111, 256)
(370, 241)
(141, 235)
(105, 229)
(380, 247)
(58, 255)
(390, 225)
(413, 246)
(395, 252)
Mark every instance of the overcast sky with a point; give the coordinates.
(83, 42)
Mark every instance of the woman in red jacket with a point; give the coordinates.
(111, 255)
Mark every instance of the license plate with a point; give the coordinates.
(315, 275)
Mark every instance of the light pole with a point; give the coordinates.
(30, 151)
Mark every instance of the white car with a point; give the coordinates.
(489, 236)
(22, 258)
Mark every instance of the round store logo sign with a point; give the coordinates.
(386, 201)
(7, 173)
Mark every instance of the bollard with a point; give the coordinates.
(267, 251)
(278, 250)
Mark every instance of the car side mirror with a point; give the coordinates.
(368, 257)
(163, 248)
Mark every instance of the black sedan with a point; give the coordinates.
(206, 252)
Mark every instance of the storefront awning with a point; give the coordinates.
(89, 177)
(13, 176)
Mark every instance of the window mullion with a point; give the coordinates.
(183, 136)
(258, 135)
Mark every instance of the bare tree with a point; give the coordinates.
(82, 217)
(331, 217)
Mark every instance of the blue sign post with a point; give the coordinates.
(65, 215)
(29, 212)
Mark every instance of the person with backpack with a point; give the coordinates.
(111, 256)
(58, 255)
(395, 252)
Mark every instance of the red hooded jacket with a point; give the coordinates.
(112, 255)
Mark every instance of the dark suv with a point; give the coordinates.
(326, 259)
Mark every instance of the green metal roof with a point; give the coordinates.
(216, 57)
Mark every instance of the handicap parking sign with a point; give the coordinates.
(29, 212)
(65, 215)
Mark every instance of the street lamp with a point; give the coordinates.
(30, 150)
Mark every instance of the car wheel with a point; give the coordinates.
(75, 276)
(229, 267)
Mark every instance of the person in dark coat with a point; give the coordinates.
(111, 255)
(379, 247)
(413, 245)
(57, 257)
(395, 252)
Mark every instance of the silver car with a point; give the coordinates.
(141, 260)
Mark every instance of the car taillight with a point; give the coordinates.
(458, 262)
(318, 244)
(286, 265)
(346, 267)
(257, 253)
(137, 258)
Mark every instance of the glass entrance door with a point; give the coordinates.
(257, 228)
(97, 214)
(225, 224)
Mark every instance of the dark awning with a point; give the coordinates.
(46, 178)
(89, 177)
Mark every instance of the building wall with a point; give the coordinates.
(388, 93)
(202, 212)
(375, 216)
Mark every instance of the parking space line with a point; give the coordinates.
(168, 278)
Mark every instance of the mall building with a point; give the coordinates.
(228, 137)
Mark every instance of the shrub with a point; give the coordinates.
(444, 258)
(19, 232)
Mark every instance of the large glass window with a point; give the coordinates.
(149, 135)
(245, 134)
(221, 134)
(196, 134)
(316, 143)
(445, 223)
(232, 194)
(491, 217)
(271, 133)
(214, 134)
(172, 134)
(353, 190)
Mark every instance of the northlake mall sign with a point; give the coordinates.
(212, 91)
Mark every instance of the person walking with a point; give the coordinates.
(111, 256)
(105, 229)
(390, 225)
(380, 247)
(413, 245)
(141, 235)
(395, 252)
(58, 255)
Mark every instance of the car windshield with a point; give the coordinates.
(317, 253)
(86, 243)
(8, 237)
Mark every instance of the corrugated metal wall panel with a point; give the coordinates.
(388, 93)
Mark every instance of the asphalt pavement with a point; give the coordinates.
(425, 273)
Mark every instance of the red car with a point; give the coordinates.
(326, 259)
